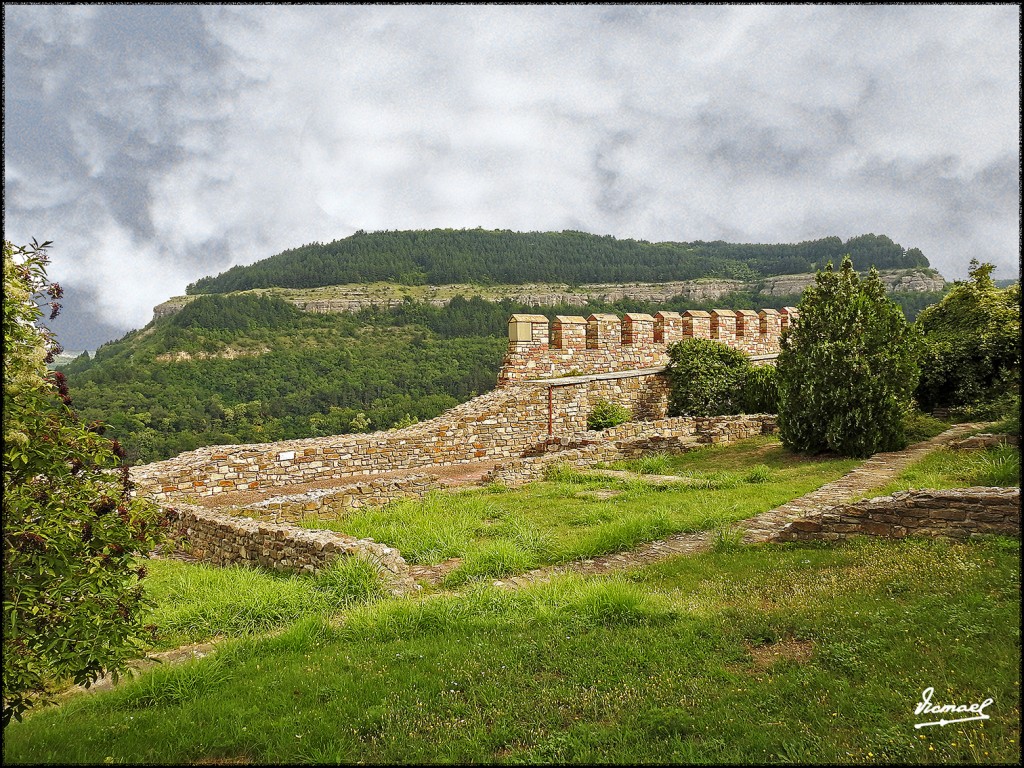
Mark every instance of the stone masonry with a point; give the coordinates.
(225, 540)
(959, 513)
(605, 343)
(503, 424)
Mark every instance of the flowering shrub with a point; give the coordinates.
(72, 603)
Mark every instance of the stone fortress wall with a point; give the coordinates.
(549, 383)
(618, 360)
(604, 343)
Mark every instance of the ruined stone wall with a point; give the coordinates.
(334, 502)
(506, 423)
(958, 513)
(680, 433)
(501, 424)
(224, 540)
(604, 343)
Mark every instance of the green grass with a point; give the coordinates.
(770, 654)
(922, 426)
(198, 602)
(944, 468)
(575, 514)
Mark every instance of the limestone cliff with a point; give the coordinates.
(352, 298)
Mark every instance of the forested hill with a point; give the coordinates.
(445, 256)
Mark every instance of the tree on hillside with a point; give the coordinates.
(72, 604)
(972, 342)
(847, 368)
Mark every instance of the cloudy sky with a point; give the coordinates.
(158, 144)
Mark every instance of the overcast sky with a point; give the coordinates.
(158, 144)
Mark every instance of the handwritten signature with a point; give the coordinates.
(977, 711)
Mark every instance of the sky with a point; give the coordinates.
(155, 145)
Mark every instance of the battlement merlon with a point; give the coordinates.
(606, 343)
(528, 332)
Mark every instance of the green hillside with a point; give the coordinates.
(444, 256)
(243, 368)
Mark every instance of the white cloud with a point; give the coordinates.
(198, 137)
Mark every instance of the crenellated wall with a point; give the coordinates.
(604, 343)
(621, 361)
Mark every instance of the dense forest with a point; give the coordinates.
(242, 368)
(446, 256)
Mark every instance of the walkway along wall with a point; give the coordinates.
(506, 423)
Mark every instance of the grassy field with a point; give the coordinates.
(789, 653)
(943, 468)
(575, 514)
(770, 654)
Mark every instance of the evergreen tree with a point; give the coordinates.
(847, 368)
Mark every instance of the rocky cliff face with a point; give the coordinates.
(356, 297)
(895, 280)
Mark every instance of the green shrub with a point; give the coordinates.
(759, 392)
(972, 343)
(73, 606)
(606, 414)
(706, 378)
(847, 368)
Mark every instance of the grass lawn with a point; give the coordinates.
(765, 654)
(498, 531)
(943, 468)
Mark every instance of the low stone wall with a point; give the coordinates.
(680, 433)
(224, 540)
(957, 514)
(333, 502)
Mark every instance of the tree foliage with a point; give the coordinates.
(847, 368)
(445, 256)
(972, 342)
(72, 602)
(706, 378)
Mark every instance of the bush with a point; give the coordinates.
(706, 378)
(606, 414)
(972, 343)
(72, 605)
(847, 368)
(759, 392)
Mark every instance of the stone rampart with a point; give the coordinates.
(506, 423)
(604, 343)
(958, 513)
(333, 502)
(225, 540)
